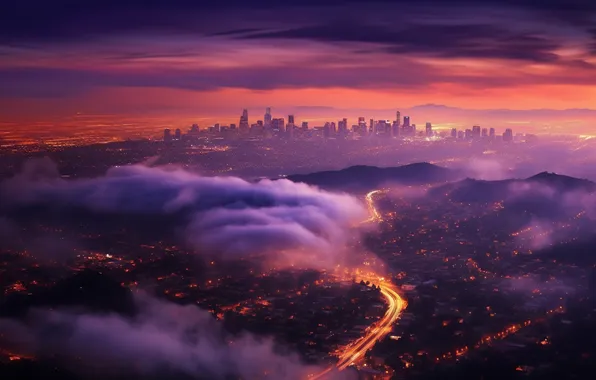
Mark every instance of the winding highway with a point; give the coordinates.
(354, 352)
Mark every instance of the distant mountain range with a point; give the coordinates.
(473, 190)
(360, 178)
(448, 182)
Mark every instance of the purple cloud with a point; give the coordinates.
(163, 338)
(272, 219)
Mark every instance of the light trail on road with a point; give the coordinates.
(372, 210)
(354, 352)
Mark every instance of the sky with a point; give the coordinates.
(103, 64)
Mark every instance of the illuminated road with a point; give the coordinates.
(375, 216)
(354, 352)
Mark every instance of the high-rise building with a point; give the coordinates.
(178, 134)
(398, 118)
(278, 124)
(381, 127)
(429, 129)
(342, 126)
(305, 125)
(508, 135)
(290, 126)
(371, 126)
(468, 134)
(491, 133)
(454, 133)
(362, 126)
(406, 127)
(243, 125)
(484, 132)
(476, 131)
(406, 121)
(327, 130)
(167, 135)
(395, 128)
(267, 117)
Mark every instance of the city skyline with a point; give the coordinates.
(269, 127)
(109, 64)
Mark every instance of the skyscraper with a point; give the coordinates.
(429, 129)
(395, 128)
(454, 133)
(267, 117)
(167, 135)
(327, 130)
(342, 126)
(484, 132)
(476, 131)
(491, 133)
(243, 125)
(278, 124)
(362, 125)
(290, 119)
(406, 127)
(398, 118)
(508, 135)
(178, 134)
(406, 121)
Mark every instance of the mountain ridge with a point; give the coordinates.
(364, 177)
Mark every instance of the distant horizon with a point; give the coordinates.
(129, 65)
(442, 116)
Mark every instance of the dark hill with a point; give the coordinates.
(563, 182)
(369, 177)
(473, 190)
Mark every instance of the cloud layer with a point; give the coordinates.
(279, 220)
(163, 338)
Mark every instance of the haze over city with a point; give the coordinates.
(297, 190)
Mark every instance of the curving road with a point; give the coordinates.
(375, 216)
(355, 351)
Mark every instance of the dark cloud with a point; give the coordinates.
(404, 75)
(49, 82)
(162, 338)
(66, 20)
(512, 30)
(277, 220)
(472, 40)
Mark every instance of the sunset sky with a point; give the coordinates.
(169, 63)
